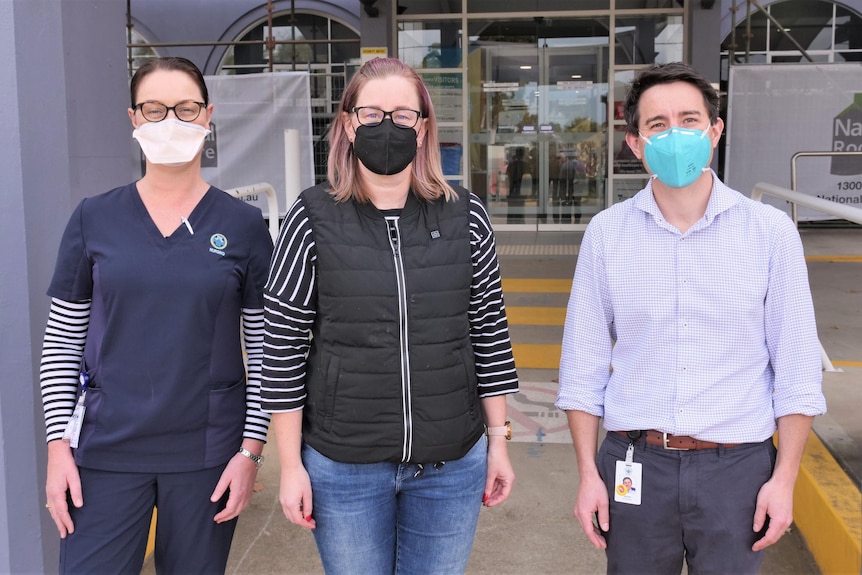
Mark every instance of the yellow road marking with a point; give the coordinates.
(523, 315)
(536, 356)
(833, 258)
(537, 285)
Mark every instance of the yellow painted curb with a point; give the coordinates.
(524, 315)
(828, 511)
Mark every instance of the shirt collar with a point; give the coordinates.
(721, 199)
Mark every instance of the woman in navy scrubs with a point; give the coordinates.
(146, 397)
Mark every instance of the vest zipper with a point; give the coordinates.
(406, 390)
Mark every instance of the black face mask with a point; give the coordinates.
(385, 149)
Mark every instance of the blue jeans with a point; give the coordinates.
(390, 518)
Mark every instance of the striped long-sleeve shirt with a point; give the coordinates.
(289, 312)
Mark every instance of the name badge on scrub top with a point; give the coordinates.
(627, 480)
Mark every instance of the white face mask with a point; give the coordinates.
(170, 142)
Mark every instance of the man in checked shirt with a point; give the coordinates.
(690, 330)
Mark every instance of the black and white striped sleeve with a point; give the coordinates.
(62, 352)
(289, 311)
(256, 420)
(489, 327)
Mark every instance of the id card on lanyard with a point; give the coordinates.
(73, 427)
(627, 480)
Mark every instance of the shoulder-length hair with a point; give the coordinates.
(427, 179)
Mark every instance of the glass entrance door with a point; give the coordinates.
(543, 133)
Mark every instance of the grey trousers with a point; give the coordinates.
(696, 506)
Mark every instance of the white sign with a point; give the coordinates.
(774, 112)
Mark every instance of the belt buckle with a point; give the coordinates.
(669, 448)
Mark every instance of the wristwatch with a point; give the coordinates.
(504, 430)
(257, 459)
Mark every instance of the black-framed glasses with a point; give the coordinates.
(187, 110)
(373, 116)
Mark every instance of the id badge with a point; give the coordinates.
(73, 428)
(627, 480)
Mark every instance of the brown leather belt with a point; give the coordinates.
(676, 442)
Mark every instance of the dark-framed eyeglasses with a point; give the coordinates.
(187, 110)
(373, 116)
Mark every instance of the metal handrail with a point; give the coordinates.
(827, 206)
(271, 202)
(799, 199)
(810, 154)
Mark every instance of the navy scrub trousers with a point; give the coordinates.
(111, 528)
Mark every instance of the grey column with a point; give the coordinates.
(63, 135)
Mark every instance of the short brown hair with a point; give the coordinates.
(666, 74)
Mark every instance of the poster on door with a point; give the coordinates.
(777, 111)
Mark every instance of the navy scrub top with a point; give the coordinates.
(163, 352)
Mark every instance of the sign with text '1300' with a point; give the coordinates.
(777, 111)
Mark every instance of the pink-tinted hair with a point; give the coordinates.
(427, 181)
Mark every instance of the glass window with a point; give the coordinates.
(640, 4)
(414, 7)
(848, 31)
(484, 6)
(649, 39)
(290, 52)
(757, 42)
(430, 44)
(827, 31)
(625, 162)
(809, 25)
(139, 54)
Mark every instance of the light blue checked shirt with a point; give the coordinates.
(710, 333)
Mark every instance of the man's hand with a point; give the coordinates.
(592, 501)
(775, 501)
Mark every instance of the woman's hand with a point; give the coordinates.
(501, 476)
(294, 494)
(63, 483)
(238, 477)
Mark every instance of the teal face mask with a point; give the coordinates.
(678, 156)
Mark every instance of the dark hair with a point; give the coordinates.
(665, 74)
(168, 63)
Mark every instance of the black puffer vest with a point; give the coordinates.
(391, 371)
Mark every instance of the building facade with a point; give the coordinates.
(527, 92)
